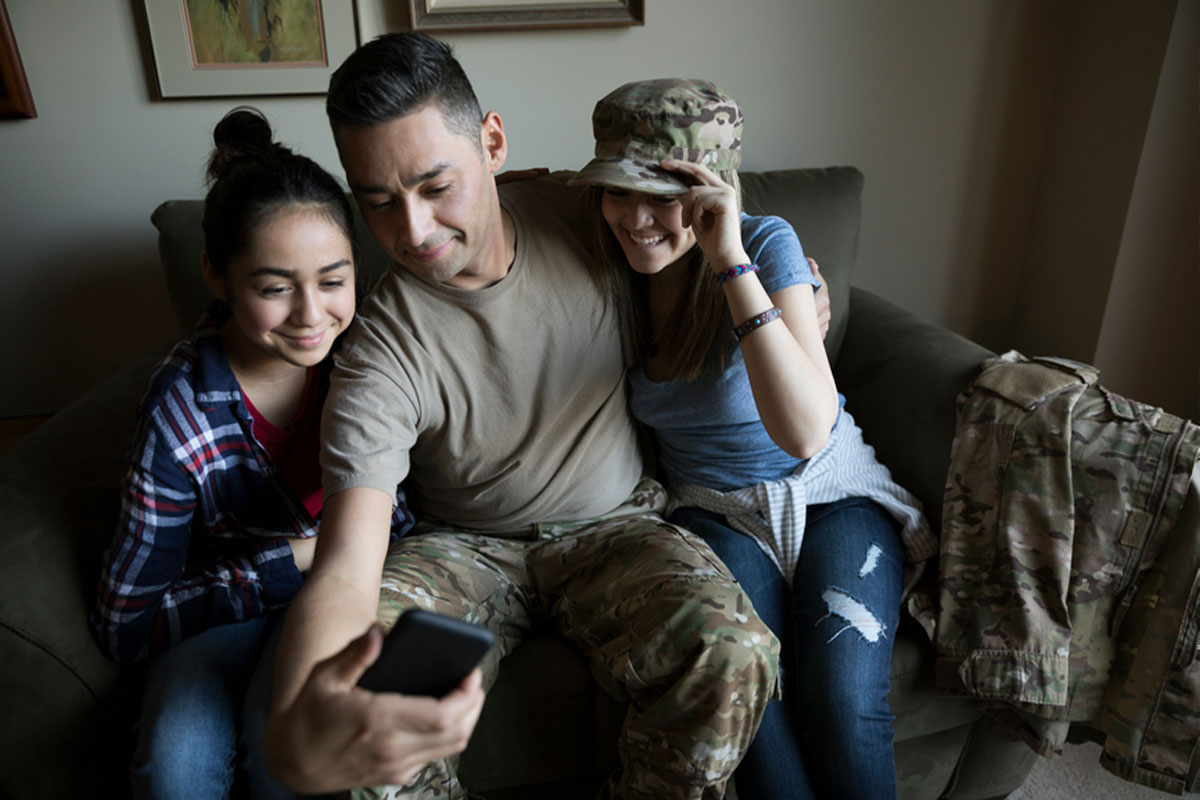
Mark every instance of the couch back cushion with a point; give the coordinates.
(823, 205)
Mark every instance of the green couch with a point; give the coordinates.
(547, 731)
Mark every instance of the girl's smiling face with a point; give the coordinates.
(291, 291)
(649, 228)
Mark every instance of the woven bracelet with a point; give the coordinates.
(754, 323)
(734, 272)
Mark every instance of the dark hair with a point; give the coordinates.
(251, 177)
(397, 74)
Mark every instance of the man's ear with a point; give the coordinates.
(495, 143)
(214, 282)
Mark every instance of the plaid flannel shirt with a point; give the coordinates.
(202, 538)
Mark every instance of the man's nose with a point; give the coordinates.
(417, 224)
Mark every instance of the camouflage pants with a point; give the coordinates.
(662, 622)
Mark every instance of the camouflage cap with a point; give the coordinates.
(643, 122)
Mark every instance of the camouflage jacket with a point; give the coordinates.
(1070, 566)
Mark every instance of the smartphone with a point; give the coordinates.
(427, 653)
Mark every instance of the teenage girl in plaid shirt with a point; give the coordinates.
(221, 502)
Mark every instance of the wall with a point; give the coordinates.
(83, 294)
(945, 106)
(1096, 131)
(1149, 343)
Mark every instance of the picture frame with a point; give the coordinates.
(15, 98)
(214, 48)
(435, 16)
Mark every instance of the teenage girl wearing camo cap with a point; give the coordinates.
(730, 373)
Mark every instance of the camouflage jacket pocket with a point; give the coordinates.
(1035, 380)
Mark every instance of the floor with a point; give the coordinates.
(1077, 775)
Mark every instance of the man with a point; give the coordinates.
(487, 365)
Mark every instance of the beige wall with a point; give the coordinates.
(1149, 340)
(82, 292)
(945, 105)
(1095, 131)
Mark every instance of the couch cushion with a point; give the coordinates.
(180, 242)
(824, 206)
(901, 374)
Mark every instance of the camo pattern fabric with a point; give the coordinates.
(641, 123)
(1070, 565)
(663, 623)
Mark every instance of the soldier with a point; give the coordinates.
(489, 368)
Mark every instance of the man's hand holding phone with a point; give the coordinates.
(427, 654)
(336, 735)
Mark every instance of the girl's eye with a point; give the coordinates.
(335, 283)
(666, 199)
(273, 291)
(615, 192)
(379, 206)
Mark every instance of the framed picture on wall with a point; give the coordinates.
(494, 15)
(215, 48)
(15, 98)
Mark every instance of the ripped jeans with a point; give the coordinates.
(831, 736)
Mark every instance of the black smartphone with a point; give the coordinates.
(427, 653)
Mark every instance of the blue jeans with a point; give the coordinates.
(204, 706)
(831, 737)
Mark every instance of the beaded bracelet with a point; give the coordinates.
(734, 272)
(754, 323)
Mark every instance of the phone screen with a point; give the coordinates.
(427, 654)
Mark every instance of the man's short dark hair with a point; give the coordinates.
(397, 74)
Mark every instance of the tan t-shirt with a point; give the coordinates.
(508, 403)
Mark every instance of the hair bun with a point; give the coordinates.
(242, 133)
(251, 177)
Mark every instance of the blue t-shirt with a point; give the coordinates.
(708, 430)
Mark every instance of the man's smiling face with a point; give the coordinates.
(428, 195)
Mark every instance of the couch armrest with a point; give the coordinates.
(58, 502)
(59, 739)
(901, 376)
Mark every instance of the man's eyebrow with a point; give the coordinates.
(413, 180)
(291, 273)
